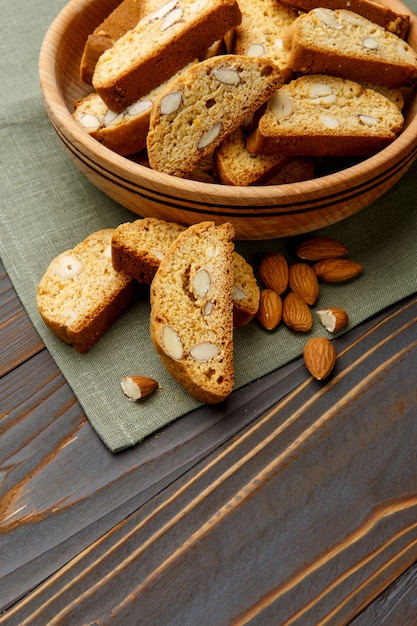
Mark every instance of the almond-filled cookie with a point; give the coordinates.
(260, 34)
(321, 115)
(138, 248)
(163, 42)
(391, 20)
(124, 17)
(235, 165)
(343, 43)
(81, 295)
(203, 106)
(191, 320)
(125, 132)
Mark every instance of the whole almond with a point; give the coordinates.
(319, 357)
(333, 318)
(303, 280)
(320, 248)
(295, 313)
(273, 271)
(336, 270)
(270, 309)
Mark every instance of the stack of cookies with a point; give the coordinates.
(200, 290)
(249, 88)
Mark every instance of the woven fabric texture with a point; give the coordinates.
(48, 206)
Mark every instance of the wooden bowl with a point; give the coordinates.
(259, 212)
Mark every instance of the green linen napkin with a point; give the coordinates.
(48, 206)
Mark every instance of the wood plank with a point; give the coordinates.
(396, 606)
(63, 488)
(18, 337)
(303, 517)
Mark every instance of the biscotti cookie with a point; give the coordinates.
(395, 95)
(81, 295)
(246, 292)
(345, 44)
(124, 17)
(319, 115)
(261, 31)
(191, 321)
(235, 165)
(125, 132)
(397, 23)
(138, 248)
(161, 44)
(203, 106)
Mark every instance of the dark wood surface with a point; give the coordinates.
(294, 503)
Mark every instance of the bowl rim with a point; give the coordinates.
(403, 147)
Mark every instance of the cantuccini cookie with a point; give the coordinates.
(235, 165)
(125, 132)
(203, 106)
(138, 248)
(391, 20)
(162, 43)
(319, 115)
(81, 295)
(261, 31)
(345, 44)
(124, 17)
(192, 311)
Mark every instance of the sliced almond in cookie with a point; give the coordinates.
(204, 351)
(218, 95)
(192, 311)
(172, 343)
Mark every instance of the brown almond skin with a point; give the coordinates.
(303, 280)
(295, 313)
(340, 318)
(273, 271)
(144, 383)
(319, 248)
(269, 312)
(319, 357)
(336, 270)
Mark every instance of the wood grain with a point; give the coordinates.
(297, 505)
(257, 212)
(396, 606)
(18, 337)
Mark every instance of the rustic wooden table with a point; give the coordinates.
(294, 504)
